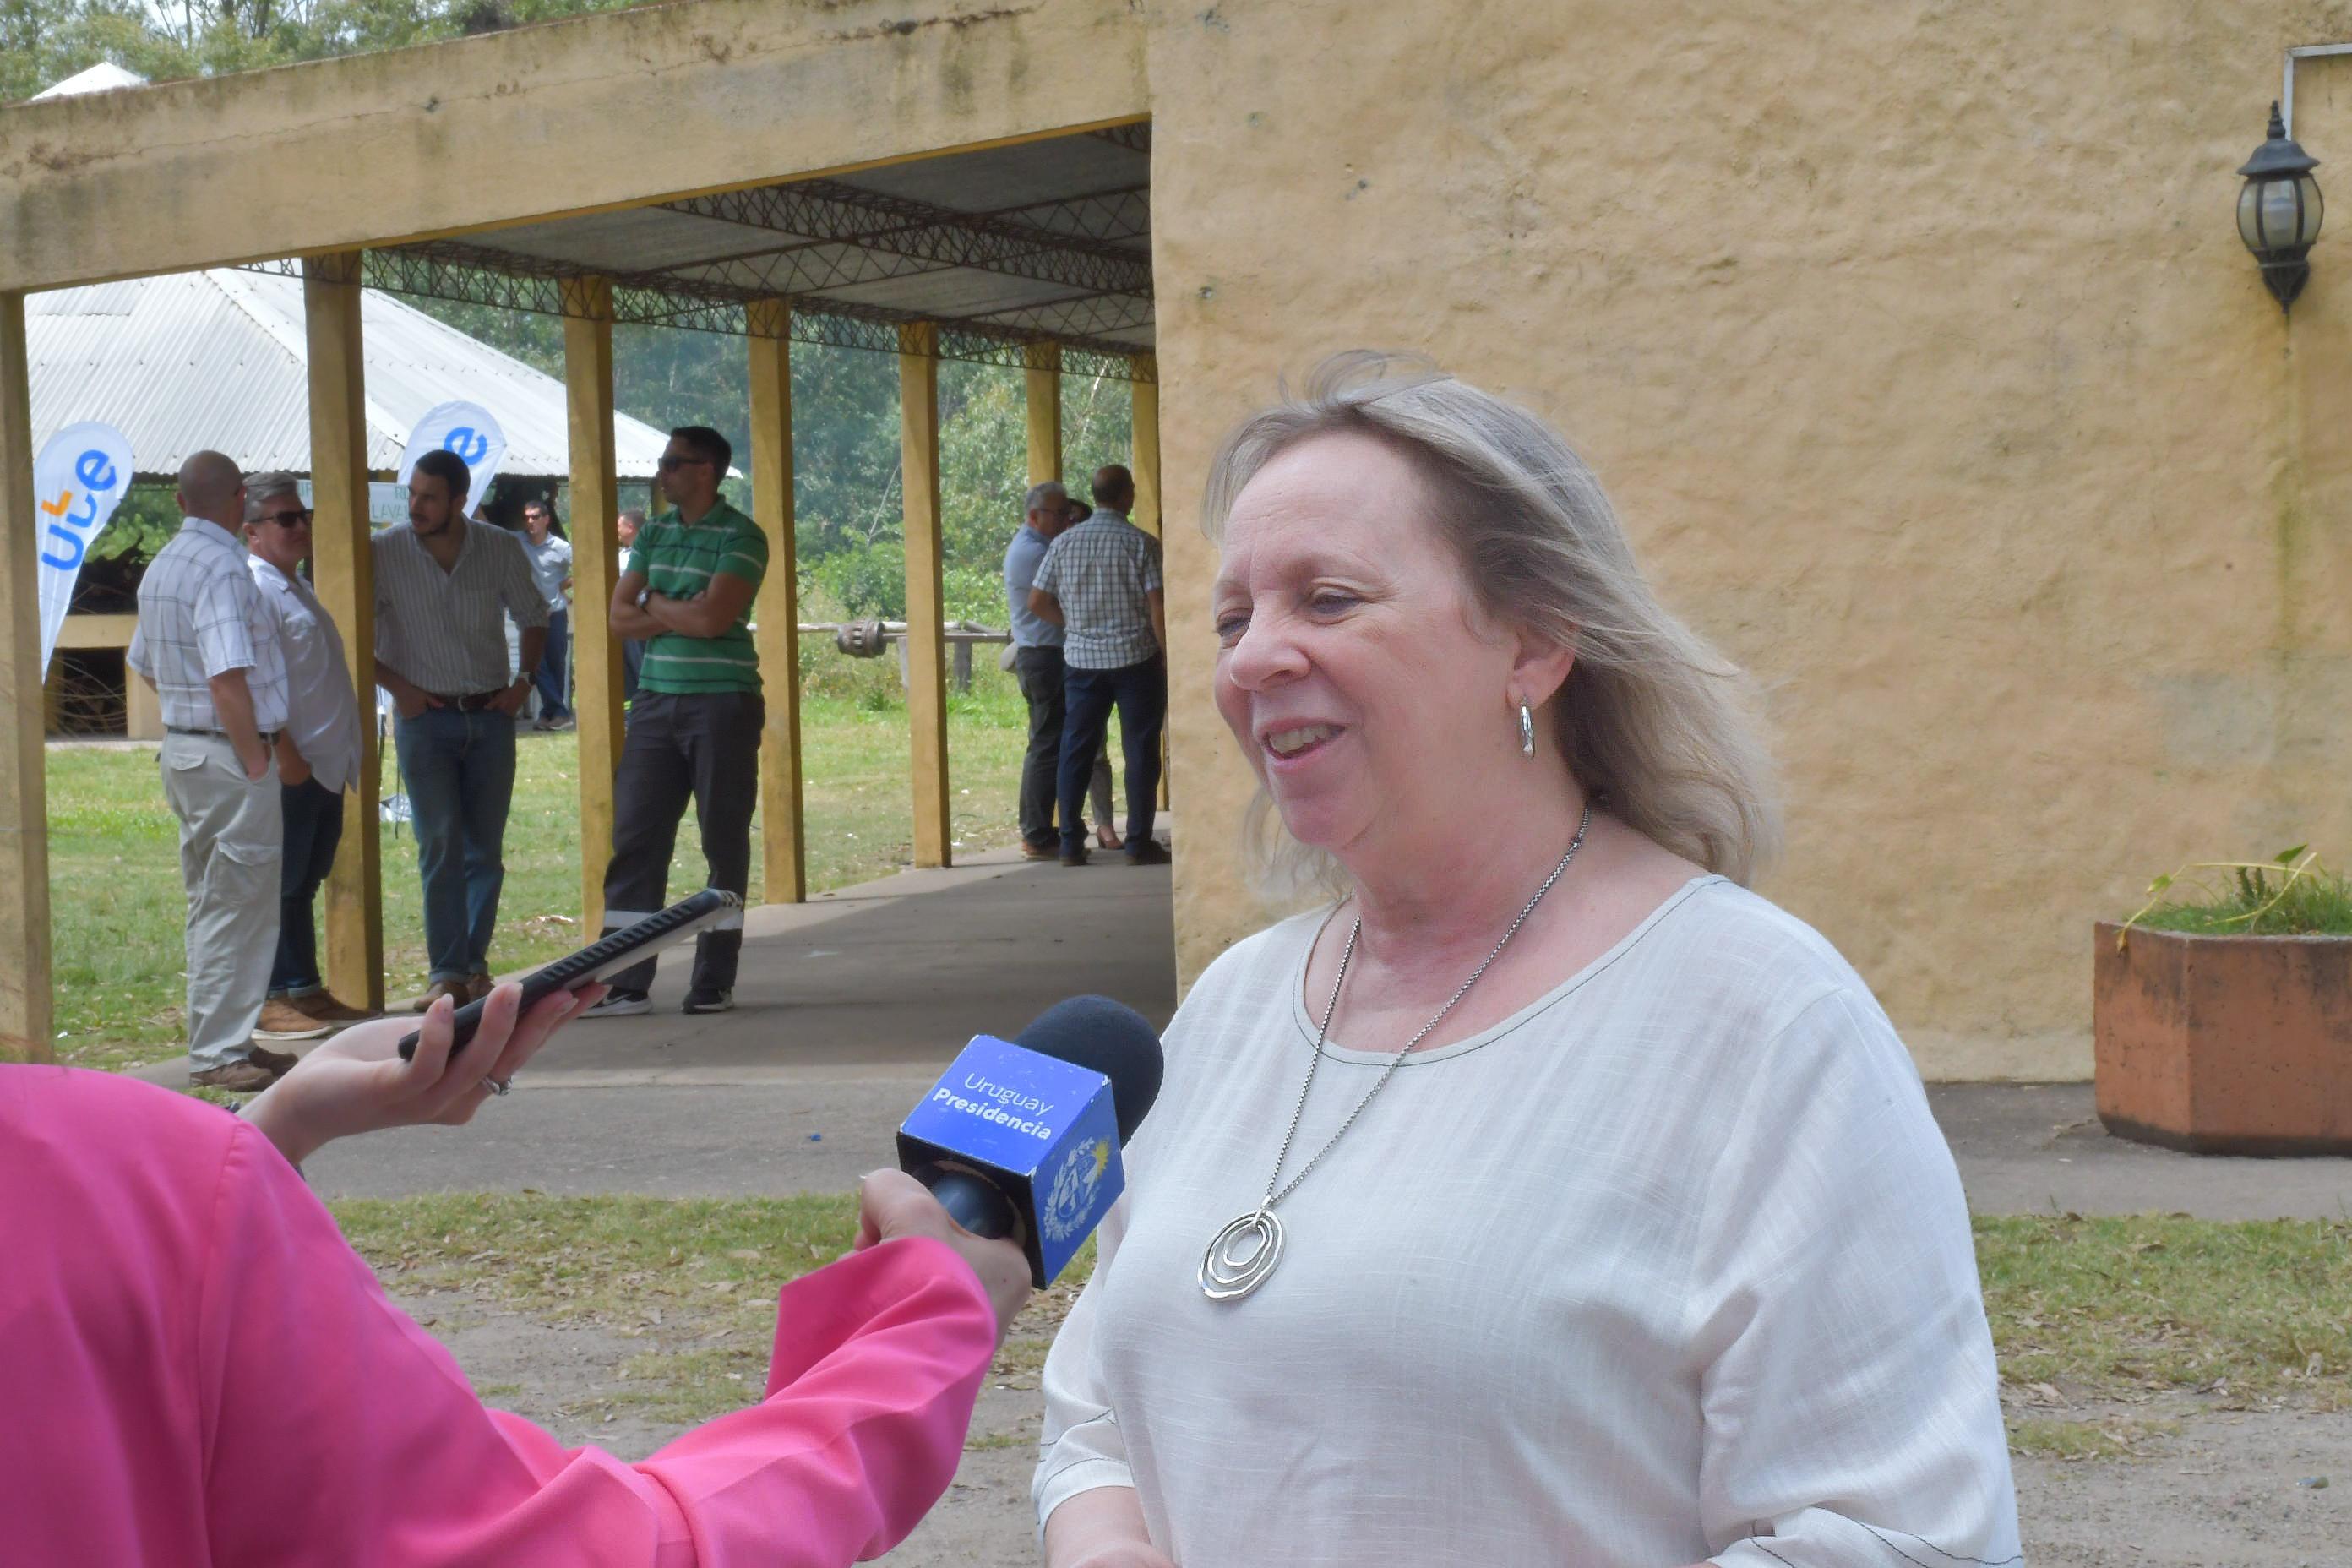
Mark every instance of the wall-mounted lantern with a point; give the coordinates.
(2279, 211)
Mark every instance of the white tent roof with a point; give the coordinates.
(103, 77)
(217, 360)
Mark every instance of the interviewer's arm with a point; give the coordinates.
(336, 1430)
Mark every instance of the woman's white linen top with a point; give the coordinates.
(1672, 1264)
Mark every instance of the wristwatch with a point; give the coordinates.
(643, 595)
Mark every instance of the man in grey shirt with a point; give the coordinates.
(441, 651)
(1037, 661)
(1100, 583)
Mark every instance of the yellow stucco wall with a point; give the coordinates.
(1917, 349)
(1913, 339)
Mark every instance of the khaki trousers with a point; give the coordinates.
(232, 837)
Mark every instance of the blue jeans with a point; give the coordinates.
(1140, 692)
(460, 771)
(549, 677)
(314, 827)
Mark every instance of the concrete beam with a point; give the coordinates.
(344, 565)
(927, 672)
(28, 1011)
(597, 686)
(776, 614)
(476, 133)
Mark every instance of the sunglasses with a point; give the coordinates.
(669, 463)
(299, 518)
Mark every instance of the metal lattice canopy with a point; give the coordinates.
(1042, 242)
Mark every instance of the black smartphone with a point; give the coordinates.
(604, 956)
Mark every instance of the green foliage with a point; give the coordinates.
(2291, 894)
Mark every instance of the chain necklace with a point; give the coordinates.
(1242, 1255)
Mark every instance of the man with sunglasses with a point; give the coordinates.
(317, 753)
(694, 726)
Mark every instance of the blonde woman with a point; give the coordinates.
(1547, 1197)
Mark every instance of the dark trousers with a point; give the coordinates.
(706, 748)
(1040, 671)
(1140, 693)
(314, 827)
(633, 654)
(549, 677)
(460, 771)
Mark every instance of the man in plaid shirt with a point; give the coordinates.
(1100, 583)
(220, 678)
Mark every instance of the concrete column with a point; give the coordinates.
(1143, 393)
(595, 505)
(343, 566)
(776, 614)
(1042, 365)
(927, 680)
(28, 1011)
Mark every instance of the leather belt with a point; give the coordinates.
(472, 702)
(268, 737)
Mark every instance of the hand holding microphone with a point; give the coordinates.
(892, 1204)
(1020, 1139)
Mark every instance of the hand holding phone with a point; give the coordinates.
(605, 956)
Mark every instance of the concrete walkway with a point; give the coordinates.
(849, 1005)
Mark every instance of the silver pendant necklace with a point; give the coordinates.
(1243, 1255)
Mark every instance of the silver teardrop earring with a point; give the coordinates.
(1526, 730)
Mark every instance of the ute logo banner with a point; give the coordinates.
(78, 480)
(468, 430)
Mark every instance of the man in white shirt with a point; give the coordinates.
(220, 680)
(551, 563)
(441, 651)
(317, 753)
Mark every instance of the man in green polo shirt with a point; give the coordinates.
(694, 726)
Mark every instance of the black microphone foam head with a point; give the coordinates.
(1110, 1038)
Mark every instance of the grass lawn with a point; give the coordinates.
(117, 906)
(2096, 1311)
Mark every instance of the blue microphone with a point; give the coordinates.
(1021, 1138)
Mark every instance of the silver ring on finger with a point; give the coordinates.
(499, 1086)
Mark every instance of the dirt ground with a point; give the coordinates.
(2228, 1489)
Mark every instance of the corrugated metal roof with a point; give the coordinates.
(217, 360)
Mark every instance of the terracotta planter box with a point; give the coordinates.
(2225, 1044)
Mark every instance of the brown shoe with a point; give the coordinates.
(279, 1063)
(1030, 852)
(478, 987)
(281, 1020)
(453, 989)
(1108, 838)
(322, 1006)
(238, 1078)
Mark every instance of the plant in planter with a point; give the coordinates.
(2223, 1019)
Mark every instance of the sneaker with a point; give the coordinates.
(279, 1063)
(1075, 857)
(1148, 853)
(621, 1004)
(322, 1006)
(238, 1078)
(477, 988)
(561, 722)
(453, 989)
(709, 999)
(281, 1020)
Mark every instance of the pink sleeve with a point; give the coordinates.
(337, 1431)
